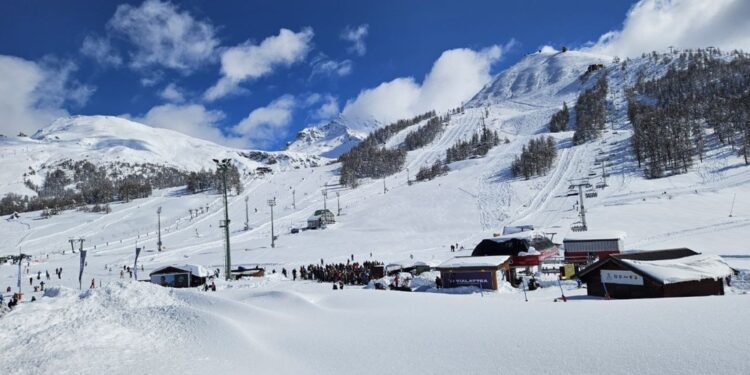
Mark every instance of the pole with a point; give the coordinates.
(247, 214)
(325, 198)
(294, 200)
(223, 166)
(271, 203)
(338, 204)
(583, 209)
(604, 173)
(408, 180)
(385, 189)
(158, 215)
(731, 210)
(228, 269)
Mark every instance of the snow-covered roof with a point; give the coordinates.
(527, 234)
(406, 264)
(194, 269)
(595, 235)
(696, 267)
(482, 261)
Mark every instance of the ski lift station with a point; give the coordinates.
(587, 247)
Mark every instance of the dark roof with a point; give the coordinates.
(168, 270)
(657, 254)
(510, 246)
(639, 255)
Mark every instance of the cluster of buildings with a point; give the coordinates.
(597, 259)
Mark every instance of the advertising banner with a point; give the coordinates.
(481, 279)
(621, 277)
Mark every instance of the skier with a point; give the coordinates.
(42, 285)
(47, 274)
(122, 274)
(93, 284)
(39, 275)
(283, 271)
(31, 280)
(294, 274)
(453, 248)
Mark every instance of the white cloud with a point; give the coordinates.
(34, 94)
(328, 109)
(164, 36)
(357, 37)
(267, 124)
(172, 93)
(250, 61)
(323, 66)
(191, 119)
(657, 24)
(454, 78)
(101, 50)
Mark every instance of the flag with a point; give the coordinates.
(83, 263)
(135, 264)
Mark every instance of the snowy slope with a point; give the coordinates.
(115, 142)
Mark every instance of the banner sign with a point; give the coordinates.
(479, 279)
(135, 264)
(621, 277)
(83, 263)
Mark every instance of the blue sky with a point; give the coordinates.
(253, 73)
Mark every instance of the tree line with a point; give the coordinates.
(559, 121)
(591, 112)
(212, 180)
(478, 145)
(426, 133)
(674, 116)
(370, 158)
(536, 158)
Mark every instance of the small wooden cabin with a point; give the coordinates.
(478, 271)
(179, 276)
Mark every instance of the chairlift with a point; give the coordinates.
(572, 193)
(591, 194)
(578, 227)
(601, 185)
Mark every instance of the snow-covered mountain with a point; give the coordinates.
(544, 73)
(120, 145)
(328, 140)
(334, 138)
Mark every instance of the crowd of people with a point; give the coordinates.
(349, 273)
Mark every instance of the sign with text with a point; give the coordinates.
(479, 279)
(621, 277)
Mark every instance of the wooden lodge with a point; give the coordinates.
(655, 274)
